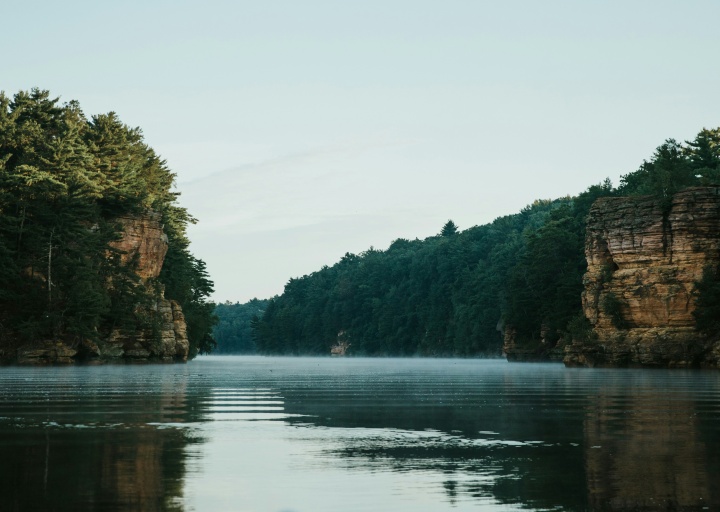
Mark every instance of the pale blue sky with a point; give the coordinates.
(302, 130)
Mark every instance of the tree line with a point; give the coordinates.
(233, 331)
(64, 181)
(455, 293)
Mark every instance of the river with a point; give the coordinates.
(263, 434)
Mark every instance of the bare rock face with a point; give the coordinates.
(143, 238)
(643, 264)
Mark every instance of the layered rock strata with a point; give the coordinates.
(144, 244)
(143, 239)
(643, 263)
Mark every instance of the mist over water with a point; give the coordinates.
(322, 434)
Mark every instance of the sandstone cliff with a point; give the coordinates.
(643, 264)
(144, 244)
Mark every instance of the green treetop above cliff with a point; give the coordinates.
(675, 166)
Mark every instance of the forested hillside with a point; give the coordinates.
(65, 179)
(233, 331)
(459, 292)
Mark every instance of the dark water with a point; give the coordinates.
(277, 434)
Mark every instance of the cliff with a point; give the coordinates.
(643, 263)
(143, 244)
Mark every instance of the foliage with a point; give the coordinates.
(675, 166)
(449, 229)
(446, 295)
(613, 307)
(707, 301)
(579, 328)
(233, 331)
(64, 180)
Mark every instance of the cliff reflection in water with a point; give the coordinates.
(650, 452)
(74, 445)
(321, 435)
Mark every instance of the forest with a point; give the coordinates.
(233, 331)
(64, 180)
(455, 293)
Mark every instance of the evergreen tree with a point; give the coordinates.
(449, 229)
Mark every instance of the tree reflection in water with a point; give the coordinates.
(464, 434)
(69, 446)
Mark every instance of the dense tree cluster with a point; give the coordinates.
(64, 180)
(233, 331)
(454, 293)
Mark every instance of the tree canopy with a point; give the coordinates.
(233, 331)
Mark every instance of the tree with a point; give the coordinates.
(449, 229)
(233, 331)
(704, 155)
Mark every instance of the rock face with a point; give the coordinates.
(143, 238)
(171, 345)
(643, 264)
(145, 244)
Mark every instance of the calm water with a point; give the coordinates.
(281, 434)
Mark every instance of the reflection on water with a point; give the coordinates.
(651, 451)
(282, 434)
(82, 439)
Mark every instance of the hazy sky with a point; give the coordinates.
(301, 130)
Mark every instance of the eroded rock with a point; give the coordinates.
(643, 264)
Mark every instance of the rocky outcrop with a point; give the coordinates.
(144, 245)
(171, 344)
(46, 352)
(643, 263)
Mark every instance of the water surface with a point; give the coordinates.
(322, 434)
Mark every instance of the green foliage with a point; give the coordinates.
(449, 229)
(704, 156)
(544, 286)
(187, 282)
(580, 329)
(63, 181)
(446, 295)
(613, 306)
(233, 331)
(707, 302)
(675, 166)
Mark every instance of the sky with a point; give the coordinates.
(301, 130)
